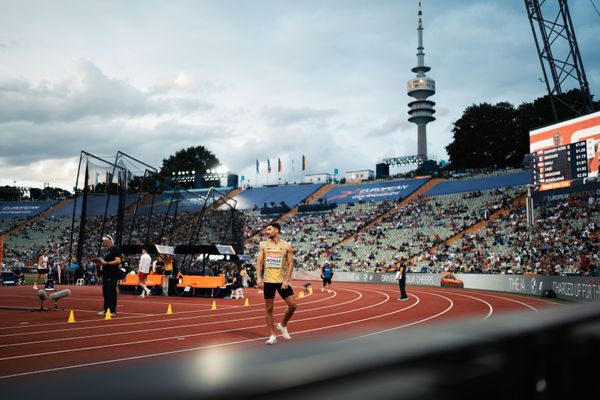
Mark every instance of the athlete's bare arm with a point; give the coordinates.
(259, 266)
(290, 266)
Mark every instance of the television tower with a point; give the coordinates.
(421, 110)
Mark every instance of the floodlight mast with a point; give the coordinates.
(553, 36)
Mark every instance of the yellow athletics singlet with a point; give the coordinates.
(275, 257)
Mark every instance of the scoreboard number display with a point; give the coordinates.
(559, 166)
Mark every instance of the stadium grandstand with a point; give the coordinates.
(468, 224)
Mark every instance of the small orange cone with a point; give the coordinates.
(310, 290)
(247, 303)
(214, 306)
(301, 296)
(71, 317)
(108, 314)
(169, 310)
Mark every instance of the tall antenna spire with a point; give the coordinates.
(421, 110)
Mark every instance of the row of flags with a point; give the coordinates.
(280, 165)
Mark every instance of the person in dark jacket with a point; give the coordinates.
(401, 276)
(109, 269)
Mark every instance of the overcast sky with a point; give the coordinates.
(253, 79)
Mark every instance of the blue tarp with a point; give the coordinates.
(19, 209)
(377, 191)
(95, 206)
(292, 195)
(476, 184)
(184, 201)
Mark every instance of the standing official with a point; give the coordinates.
(108, 268)
(401, 276)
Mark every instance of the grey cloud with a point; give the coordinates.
(391, 125)
(282, 117)
(180, 105)
(88, 93)
(185, 83)
(56, 140)
(8, 44)
(192, 134)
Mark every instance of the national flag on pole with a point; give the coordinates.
(257, 166)
(304, 163)
(279, 164)
(268, 166)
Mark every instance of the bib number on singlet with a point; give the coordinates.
(273, 260)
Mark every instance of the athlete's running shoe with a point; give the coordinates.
(271, 340)
(284, 332)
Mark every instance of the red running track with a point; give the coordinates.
(33, 343)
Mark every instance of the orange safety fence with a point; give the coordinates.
(133, 280)
(196, 281)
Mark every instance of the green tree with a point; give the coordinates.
(141, 183)
(11, 193)
(55, 193)
(497, 136)
(193, 160)
(487, 136)
(539, 113)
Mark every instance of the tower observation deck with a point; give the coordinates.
(421, 110)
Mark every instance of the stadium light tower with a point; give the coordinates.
(559, 55)
(421, 110)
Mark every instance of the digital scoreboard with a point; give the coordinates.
(558, 166)
(566, 153)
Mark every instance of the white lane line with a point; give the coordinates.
(261, 316)
(206, 309)
(451, 304)
(489, 306)
(511, 298)
(215, 345)
(207, 315)
(207, 312)
(359, 296)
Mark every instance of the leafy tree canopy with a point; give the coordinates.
(497, 135)
(197, 159)
(11, 193)
(55, 193)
